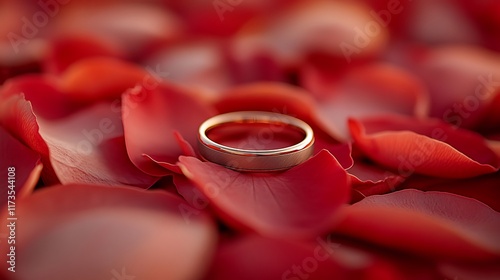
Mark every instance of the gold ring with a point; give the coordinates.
(256, 160)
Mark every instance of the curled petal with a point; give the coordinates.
(368, 179)
(153, 120)
(89, 147)
(18, 118)
(434, 224)
(424, 147)
(296, 202)
(57, 219)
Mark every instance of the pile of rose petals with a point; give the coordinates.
(100, 104)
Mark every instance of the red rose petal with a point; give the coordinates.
(279, 98)
(192, 195)
(10, 12)
(371, 90)
(186, 149)
(368, 179)
(267, 258)
(268, 96)
(125, 230)
(483, 188)
(424, 147)
(438, 23)
(342, 152)
(59, 58)
(21, 167)
(297, 202)
(153, 117)
(97, 78)
(89, 147)
(433, 224)
(461, 82)
(471, 271)
(47, 100)
(270, 259)
(337, 29)
(18, 118)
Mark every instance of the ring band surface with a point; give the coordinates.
(265, 160)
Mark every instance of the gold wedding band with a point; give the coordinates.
(258, 160)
